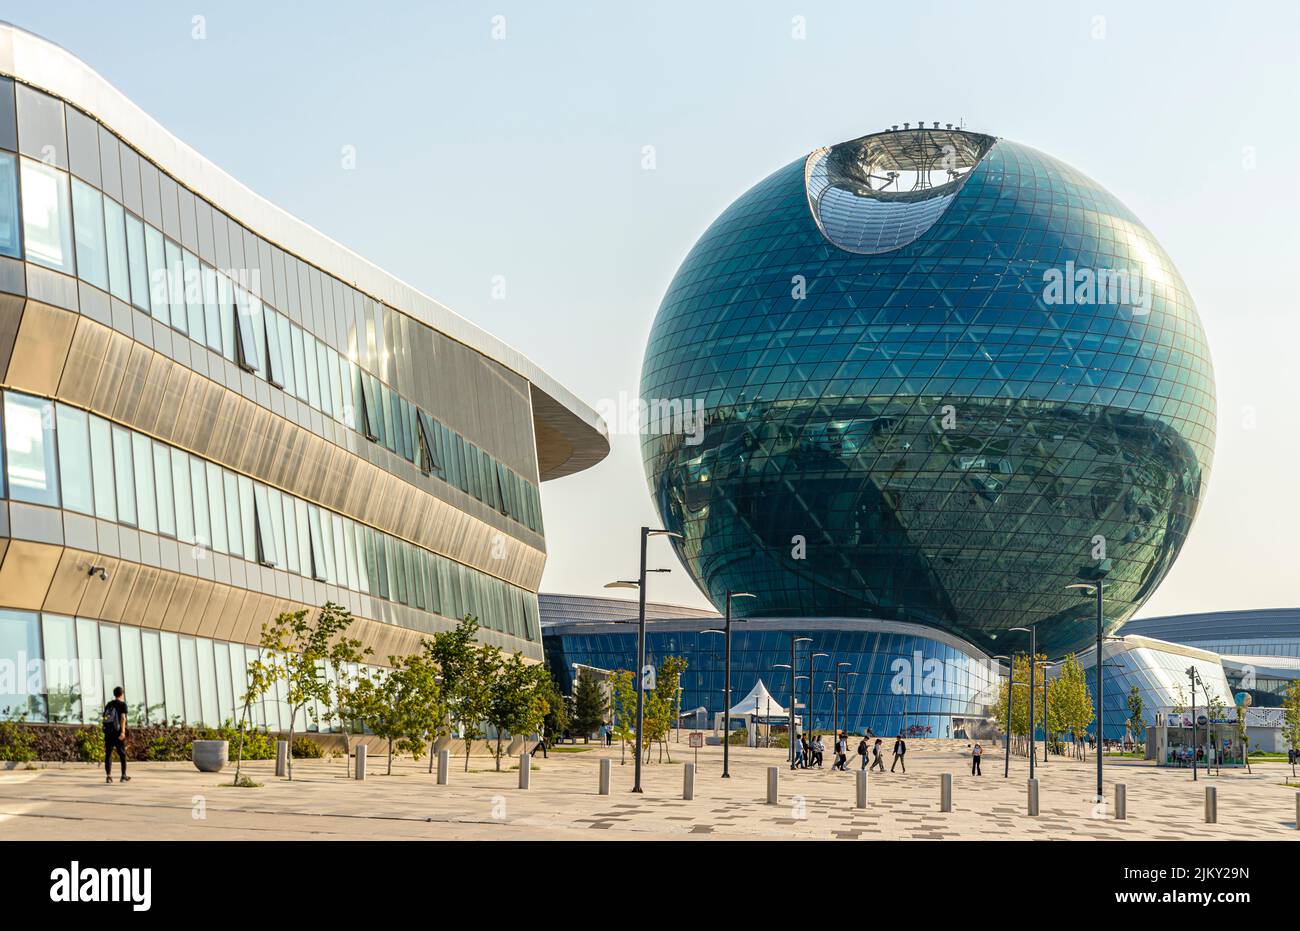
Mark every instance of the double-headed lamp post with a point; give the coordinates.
(1092, 588)
(639, 585)
(726, 683)
(1033, 661)
(812, 659)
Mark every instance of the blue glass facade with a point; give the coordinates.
(896, 678)
(904, 419)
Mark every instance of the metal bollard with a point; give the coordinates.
(282, 757)
(604, 776)
(862, 788)
(773, 774)
(1211, 805)
(444, 764)
(361, 761)
(524, 760)
(1121, 801)
(1033, 797)
(688, 782)
(945, 792)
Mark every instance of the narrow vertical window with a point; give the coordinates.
(88, 230)
(47, 216)
(30, 450)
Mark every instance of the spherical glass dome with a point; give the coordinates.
(940, 376)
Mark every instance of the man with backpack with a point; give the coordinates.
(864, 751)
(115, 735)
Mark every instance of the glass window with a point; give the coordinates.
(193, 294)
(122, 475)
(266, 552)
(146, 496)
(183, 496)
(275, 360)
(285, 341)
(153, 676)
(119, 266)
(299, 363)
(102, 468)
(226, 304)
(199, 491)
(10, 239)
(290, 536)
(88, 226)
(175, 285)
(248, 517)
(208, 704)
(139, 264)
(276, 503)
(29, 449)
(162, 476)
(133, 673)
(248, 311)
(62, 676)
(110, 657)
(173, 689)
(313, 376)
(319, 570)
(225, 695)
(190, 680)
(304, 536)
(240, 656)
(233, 529)
(217, 508)
(47, 216)
(345, 571)
(211, 309)
(155, 258)
(91, 671)
(20, 651)
(74, 460)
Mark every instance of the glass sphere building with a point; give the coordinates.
(940, 377)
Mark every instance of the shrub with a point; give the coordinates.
(89, 743)
(17, 743)
(304, 748)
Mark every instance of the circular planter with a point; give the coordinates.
(210, 756)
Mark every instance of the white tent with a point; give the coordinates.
(758, 702)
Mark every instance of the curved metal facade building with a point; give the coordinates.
(941, 376)
(213, 413)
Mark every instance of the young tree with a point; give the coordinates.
(1074, 702)
(1291, 727)
(471, 702)
(590, 705)
(416, 702)
(307, 645)
(623, 689)
(661, 705)
(515, 703)
(556, 720)
(260, 675)
(454, 654)
(1136, 721)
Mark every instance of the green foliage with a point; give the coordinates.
(516, 702)
(89, 744)
(17, 743)
(465, 669)
(304, 748)
(1071, 700)
(661, 705)
(1291, 707)
(556, 720)
(590, 705)
(1135, 719)
(623, 689)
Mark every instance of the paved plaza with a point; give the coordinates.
(174, 801)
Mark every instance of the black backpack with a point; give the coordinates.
(862, 748)
(112, 719)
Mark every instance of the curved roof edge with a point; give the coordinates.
(41, 63)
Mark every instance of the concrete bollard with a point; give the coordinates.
(282, 757)
(773, 774)
(444, 765)
(604, 776)
(1033, 797)
(1211, 805)
(945, 792)
(862, 788)
(1121, 801)
(524, 770)
(361, 761)
(688, 782)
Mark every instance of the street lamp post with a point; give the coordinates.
(1194, 676)
(790, 711)
(1096, 588)
(1033, 661)
(639, 585)
(1006, 735)
(839, 670)
(1046, 720)
(812, 658)
(726, 686)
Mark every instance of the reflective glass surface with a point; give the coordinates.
(931, 433)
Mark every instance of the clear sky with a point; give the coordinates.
(523, 156)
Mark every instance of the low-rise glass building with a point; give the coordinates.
(211, 413)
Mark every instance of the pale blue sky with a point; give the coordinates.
(522, 157)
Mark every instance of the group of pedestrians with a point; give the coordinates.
(810, 752)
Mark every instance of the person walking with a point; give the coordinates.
(976, 752)
(115, 735)
(900, 751)
(864, 751)
(878, 759)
